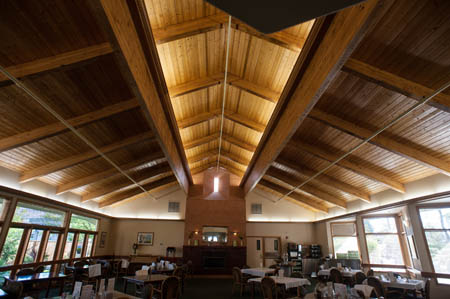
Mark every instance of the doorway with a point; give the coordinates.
(263, 251)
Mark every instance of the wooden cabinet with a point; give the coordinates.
(215, 259)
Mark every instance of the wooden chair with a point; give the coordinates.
(39, 269)
(147, 292)
(179, 272)
(239, 280)
(269, 288)
(169, 288)
(28, 289)
(336, 276)
(14, 289)
(360, 277)
(380, 291)
(274, 266)
(25, 272)
(189, 269)
(370, 273)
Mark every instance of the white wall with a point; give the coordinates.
(272, 211)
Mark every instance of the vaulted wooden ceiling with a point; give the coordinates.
(143, 81)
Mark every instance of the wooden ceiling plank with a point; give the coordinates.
(326, 180)
(200, 141)
(232, 157)
(356, 168)
(53, 62)
(37, 134)
(197, 119)
(396, 83)
(382, 141)
(129, 193)
(131, 27)
(284, 177)
(240, 143)
(80, 158)
(140, 177)
(297, 197)
(332, 40)
(201, 157)
(96, 177)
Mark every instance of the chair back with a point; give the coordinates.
(79, 264)
(178, 272)
(237, 275)
(360, 277)
(336, 276)
(370, 273)
(268, 288)
(377, 286)
(169, 288)
(25, 272)
(14, 289)
(39, 269)
(147, 292)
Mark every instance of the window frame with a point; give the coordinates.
(399, 232)
(355, 236)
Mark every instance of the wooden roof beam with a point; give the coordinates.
(139, 177)
(136, 191)
(205, 82)
(129, 23)
(396, 83)
(213, 154)
(98, 176)
(239, 143)
(230, 115)
(37, 134)
(356, 168)
(200, 141)
(80, 158)
(387, 143)
(313, 191)
(325, 180)
(53, 62)
(331, 41)
(303, 200)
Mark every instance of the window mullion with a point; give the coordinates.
(43, 246)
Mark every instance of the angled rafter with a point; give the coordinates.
(354, 167)
(213, 154)
(239, 143)
(77, 159)
(387, 143)
(58, 127)
(303, 200)
(140, 177)
(396, 83)
(313, 191)
(203, 156)
(332, 39)
(326, 180)
(93, 178)
(135, 191)
(200, 141)
(49, 63)
(234, 158)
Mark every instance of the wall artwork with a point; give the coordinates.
(145, 239)
(102, 240)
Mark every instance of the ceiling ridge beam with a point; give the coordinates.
(140, 177)
(308, 188)
(396, 83)
(294, 195)
(133, 192)
(326, 180)
(98, 176)
(50, 130)
(384, 142)
(56, 61)
(82, 157)
(368, 173)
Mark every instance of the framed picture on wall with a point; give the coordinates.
(102, 240)
(145, 239)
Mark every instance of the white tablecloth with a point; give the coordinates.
(261, 272)
(345, 273)
(288, 282)
(412, 284)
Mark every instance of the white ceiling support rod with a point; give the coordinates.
(224, 91)
(35, 97)
(379, 131)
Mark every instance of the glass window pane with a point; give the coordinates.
(10, 247)
(33, 214)
(380, 225)
(2, 207)
(346, 247)
(89, 245)
(79, 249)
(33, 246)
(435, 218)
(439, 245)
(51, 247)
(83, 222)
(3, 275)
(68, 246)
(384, 249)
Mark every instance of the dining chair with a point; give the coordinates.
(147, 292)
(269, 288)
(239, 280)
(370, 273)
(178, 272)
(169, 288)
(336, 276)
(14, 289)
(380, 291)
(39, 269)
(360, 277)
(25, 272)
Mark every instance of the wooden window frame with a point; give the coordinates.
(356, 236)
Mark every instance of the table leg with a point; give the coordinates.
(125, 284)
(253, 290)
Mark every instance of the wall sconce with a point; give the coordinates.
(235, 234)
(196, 232)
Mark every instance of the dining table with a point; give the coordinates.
(143, 280)
(115, 295)
(284, 282)
(39, 278)
(260, 272)
(345, 272)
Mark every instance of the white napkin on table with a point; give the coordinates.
(341, 290)
(95, 270)
(366, 289)
(125, 263)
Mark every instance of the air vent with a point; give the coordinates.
(256, 208)
(174, 207)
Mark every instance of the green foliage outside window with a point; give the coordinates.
(83, 222)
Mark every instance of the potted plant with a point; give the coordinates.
(135, 247)
(191, 234)
(241, 237)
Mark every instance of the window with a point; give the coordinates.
(436, 225)
(2, 207)
(33, 214)
(345, 242)
(79, 248)
(174, 207)
(83, 222)
(10, 247)
(50, 249)
(34, 243)
(383, 243)
(68, 246)
(90, 244)
(256, 208)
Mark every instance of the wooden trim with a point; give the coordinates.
(84, 247)
(435, 275)
(10, 208)
(383, 266)
(42, 245)
(21, 250)
(73, 250)
(427, 247)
